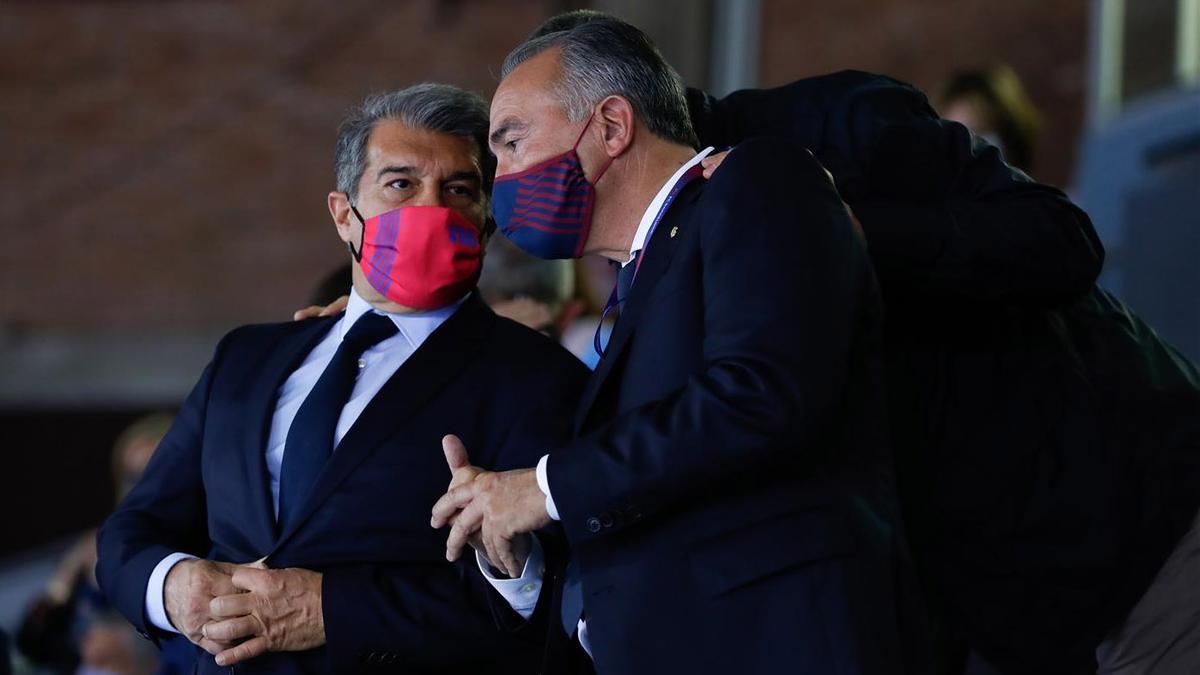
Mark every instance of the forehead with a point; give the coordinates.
(393, 143)
(528, 90)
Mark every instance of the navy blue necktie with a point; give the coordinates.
(310, 439)
(625, 276)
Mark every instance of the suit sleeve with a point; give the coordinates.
(423, 617)
(785, 286)
(164, 513)
(944, 215)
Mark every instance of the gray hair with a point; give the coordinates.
(604, 56)
(440, 108)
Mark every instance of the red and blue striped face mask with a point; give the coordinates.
(424, 257)
(546, 210)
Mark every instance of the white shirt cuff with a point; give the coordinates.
(521, 593)
(544, 486)
(156, 610)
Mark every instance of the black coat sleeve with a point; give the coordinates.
(945, 217)
(164, 513)
(785, 279)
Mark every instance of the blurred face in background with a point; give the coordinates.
(132, 461)
(971, 113)
(410, 167)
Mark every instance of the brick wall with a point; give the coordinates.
(165, 165)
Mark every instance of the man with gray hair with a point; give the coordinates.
(282, 524)
(728, 497)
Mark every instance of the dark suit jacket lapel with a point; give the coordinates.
(438, 361)
(260, 408)
(657, 259)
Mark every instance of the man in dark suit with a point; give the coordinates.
(283, 522)
(728, 498)
(1047, 441)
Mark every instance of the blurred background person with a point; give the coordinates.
(992, 103)
(537, 293)
(70, 626)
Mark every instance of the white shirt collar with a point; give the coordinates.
(643, 230)
(415, 328)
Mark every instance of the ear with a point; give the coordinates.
(616, 122)
(343, 220)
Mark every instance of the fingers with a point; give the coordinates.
(212, 646)
(233, 629)
(309, 312)
(230, 606)
(466, 524)
(713, 161)
(249, 578)
(456, 452)
(451, 503)
(500, 549)
(336, 307)
(245, 651)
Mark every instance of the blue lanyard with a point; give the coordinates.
(613, 301)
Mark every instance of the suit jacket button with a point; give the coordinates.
(593, 524)
(606, 519)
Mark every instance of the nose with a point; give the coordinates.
(503, 167)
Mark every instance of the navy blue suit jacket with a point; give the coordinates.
(728, 499)
(390, 599)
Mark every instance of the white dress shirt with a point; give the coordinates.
(376, 367)
(522, 593)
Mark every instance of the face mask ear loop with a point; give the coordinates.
(575, 149)
(350, 245)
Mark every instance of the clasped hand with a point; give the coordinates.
(493, 512)
(238, 612)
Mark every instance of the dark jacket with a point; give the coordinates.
(728, 499)
(1048, 443)
(390, 600)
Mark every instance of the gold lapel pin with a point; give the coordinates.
(674, 231)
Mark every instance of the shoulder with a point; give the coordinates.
(853, 84)
(257, 337)
(763, 164)
(532, 354)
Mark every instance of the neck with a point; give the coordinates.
(634, 185)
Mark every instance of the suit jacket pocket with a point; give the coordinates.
(738, 557)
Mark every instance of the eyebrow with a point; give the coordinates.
(457, 175)
(509, 124)
(395, 169)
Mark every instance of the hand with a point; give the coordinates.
(314, 311)
(79, 561)
(188, 590)
(496, 510)
(278, 610)
(461, 473)
(713, 161)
